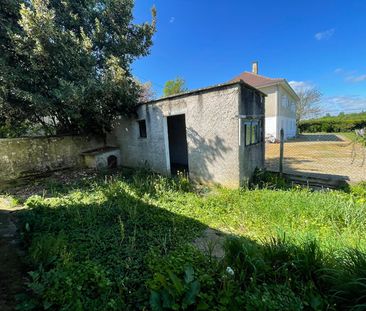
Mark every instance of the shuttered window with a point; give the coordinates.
(252, 132)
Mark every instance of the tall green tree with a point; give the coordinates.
(9, 15)
(72, 73)
(175, 86)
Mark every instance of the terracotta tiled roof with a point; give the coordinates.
(255, 80)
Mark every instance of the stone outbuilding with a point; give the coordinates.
(215, 134)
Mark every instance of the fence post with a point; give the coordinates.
(282, 139)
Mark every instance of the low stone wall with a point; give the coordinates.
(21, 157)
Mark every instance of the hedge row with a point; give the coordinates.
(328, 126)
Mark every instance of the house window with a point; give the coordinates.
(142, 128)
(252, 132)
(284, 101)
(248, 134)
(293, 107)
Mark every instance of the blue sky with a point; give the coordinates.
(313, 43)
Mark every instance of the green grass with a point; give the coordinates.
(7, 202)
(349, 135)
(124, 242)
(360, 116)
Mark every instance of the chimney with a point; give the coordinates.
(255, 67)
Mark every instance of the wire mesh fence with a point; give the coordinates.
(332, 155)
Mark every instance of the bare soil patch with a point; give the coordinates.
(211, 243)
(22, 189)
(329, 154)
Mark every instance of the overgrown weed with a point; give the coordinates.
(124, 242)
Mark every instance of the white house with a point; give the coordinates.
(280, 106)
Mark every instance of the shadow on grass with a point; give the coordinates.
(104, 248)
(12, 269)
(115, 230)
(60, 182)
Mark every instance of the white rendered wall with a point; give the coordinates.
(212, 135)
(288, 125)
(278, 115)
(271, 126)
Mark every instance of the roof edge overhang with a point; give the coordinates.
(289, 88)
(283, 83)
(202, 90)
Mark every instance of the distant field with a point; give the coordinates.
(323, 153)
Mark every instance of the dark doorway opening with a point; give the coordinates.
(178, 149)
(112, 161)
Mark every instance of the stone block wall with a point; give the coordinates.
(20, 157)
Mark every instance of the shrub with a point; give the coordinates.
(271, 298)
(47, 248)
(359, 190)
(76, 286)
(349, 281)
(173, 292)
(183, 279)
(278, 275)
(265, 179)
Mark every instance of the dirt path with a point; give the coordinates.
(12, 269)
(211, 243)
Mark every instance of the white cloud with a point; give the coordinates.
(172, 20)
(338, 70)
(356, 79)
(346, 103)
(324, 35)
(301, 85)
(350, 76)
